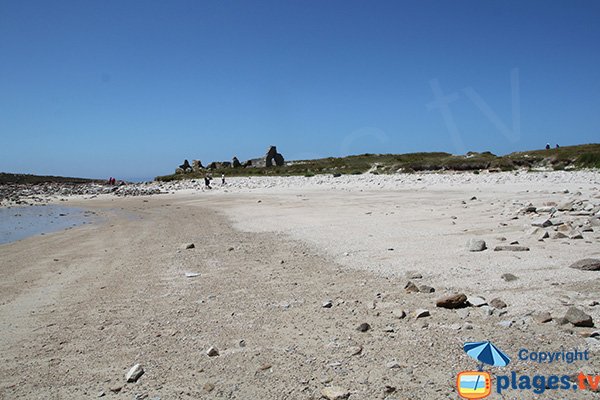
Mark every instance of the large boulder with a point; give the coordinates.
(587, 264)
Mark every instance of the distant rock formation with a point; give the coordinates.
(183, 168)
(273, 156)
(197, 165)
(235, 162)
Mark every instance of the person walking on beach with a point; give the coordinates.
(547, 146)
(207, 182)
(222, 179)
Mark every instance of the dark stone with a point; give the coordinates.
(186, 167)
(497, 303)
(511, 248)
(587, 264)
(363, 327)
(235, 162)
(458, 300)
(273, 156)
(578, 317)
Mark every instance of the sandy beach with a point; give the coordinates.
(283, 271)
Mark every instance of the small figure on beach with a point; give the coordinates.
(112, 181)
(222, 179)
(207, 179)
(557, 146)
(547, 146)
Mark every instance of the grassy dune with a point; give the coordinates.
(580, 156)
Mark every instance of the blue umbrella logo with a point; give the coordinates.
(486, 353)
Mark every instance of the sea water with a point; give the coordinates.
(18, 223)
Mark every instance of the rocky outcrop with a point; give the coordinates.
(235, 163)
(197, 165)
(273, 156)
(185, 167)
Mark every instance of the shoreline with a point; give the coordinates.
(107, 296)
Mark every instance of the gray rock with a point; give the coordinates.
(575, 234)
(542, 222)
(335, 393)
(134, 373)
(545, 209)
(327, 304)
(413, 275)
(476, 245)
(393, 364)
(212, 351)
(476, 301)
(578, 318)
(188, 246)
(400, 314)
(511, 248)
(558, 235)
(426, 289)
(363, 327)
(568, 206)
(458, 300)
(542, 317)
(587, 264)
(508, 277)
(411, 287)
(421, 313)
(497, 303)
(191, 274)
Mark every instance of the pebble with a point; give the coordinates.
(508, 277)
(134, 373)
(542, 317)
(363, 327)
(422, 313)
(476, 301)
(212, 351)
(327, 304)
(393, 364)
(511, 248)
(188, 246)
(335, 393)
(497, 303)
(411, 287)
(476, 245)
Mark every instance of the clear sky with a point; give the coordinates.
(130, 88)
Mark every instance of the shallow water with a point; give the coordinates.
(18, 223)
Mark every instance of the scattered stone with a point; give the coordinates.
(578, 318)
(101, 394)
(264, 366)
(393, 364)
(400, 314)
(116, 388)
(191, 274)
(542, 317)
(413, 275)
(476, 301)
(411, 287)
(511, 248)
(212, 351)
(327, 304)
(335, 393)
(421, 313)
(188, 246)
(355, 350)
(426, 289)
(559, 235)
(134, 373)
(463, 313)
(587, 264)
(497, 303)
(505, 324)
(363, 327)
(575, 234)
(508, 277)
(389, 389)
(476, 245)
(458, 300)
(542, 222)
(209, 387)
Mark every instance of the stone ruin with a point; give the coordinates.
(271, 158)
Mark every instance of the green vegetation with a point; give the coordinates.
(6, 178)
(581, 156)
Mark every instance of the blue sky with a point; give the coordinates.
(131, 88)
